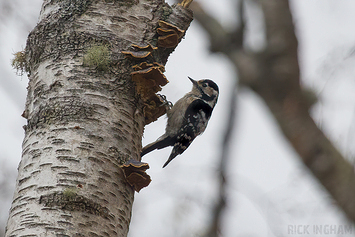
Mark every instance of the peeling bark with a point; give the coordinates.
(83, 123)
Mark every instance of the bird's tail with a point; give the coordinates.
(162, 142)
(171, 157)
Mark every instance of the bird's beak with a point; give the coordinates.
(193, 81)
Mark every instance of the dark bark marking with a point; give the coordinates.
(71, 201)
(72, 110)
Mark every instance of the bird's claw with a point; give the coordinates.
(166, 103)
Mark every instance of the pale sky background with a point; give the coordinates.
(269, 190)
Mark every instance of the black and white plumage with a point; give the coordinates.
(187, 119)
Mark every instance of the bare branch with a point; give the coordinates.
(285, 99)
(219, 37)
(274, 76)
(229, 43)
(215, 226)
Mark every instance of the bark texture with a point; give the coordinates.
(83, 123)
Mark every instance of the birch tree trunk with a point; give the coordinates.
(85, 120)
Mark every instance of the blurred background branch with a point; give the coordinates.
(274, 75)
(222, 199)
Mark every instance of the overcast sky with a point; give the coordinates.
(269, 189)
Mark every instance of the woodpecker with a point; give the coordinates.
(187, 118)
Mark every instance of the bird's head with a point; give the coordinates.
(206, 89)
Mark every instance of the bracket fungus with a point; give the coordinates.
(147, 47)
(185, 3)
(140, 51)
(134, 172)
(149, 78)
(137, 54)
(154, 109)
(148, 81)
(170, 35)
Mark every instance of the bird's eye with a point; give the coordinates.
(204, 84)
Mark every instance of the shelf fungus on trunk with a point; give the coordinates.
(147, 59)
(137, 54)
(139, 51)
(170, 35)
(134, 172)
(149, 78)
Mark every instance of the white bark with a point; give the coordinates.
(69, 171)
(82, 124)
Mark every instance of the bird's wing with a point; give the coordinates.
(195, 122)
